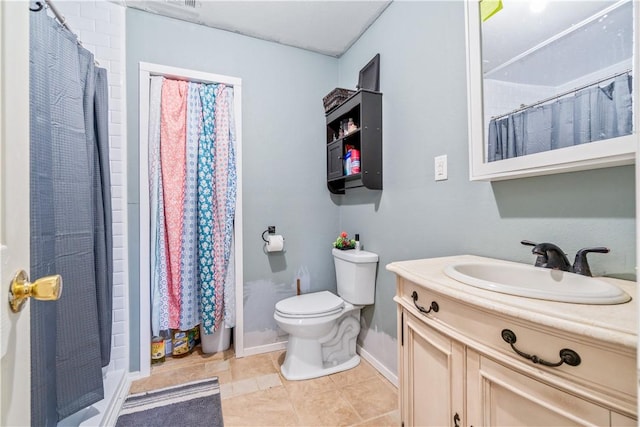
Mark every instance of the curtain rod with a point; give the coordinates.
(59, 17)
(551, 98)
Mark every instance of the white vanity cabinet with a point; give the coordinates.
(457, 370)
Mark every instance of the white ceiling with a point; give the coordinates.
(577, 50)
(327, 27)
(330, 27)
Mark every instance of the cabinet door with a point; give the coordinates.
(501, 396)
(432, 376)
(619, 420)
(334, 160)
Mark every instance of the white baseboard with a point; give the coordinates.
(384, 371)
(113, 409)
(267, 348)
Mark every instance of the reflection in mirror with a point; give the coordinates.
(556, 74)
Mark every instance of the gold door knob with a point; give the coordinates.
(47, 288)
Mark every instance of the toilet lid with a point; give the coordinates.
(316, 303)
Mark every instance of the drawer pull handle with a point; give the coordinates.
(434, 305)
(456, 420)
(567, 355)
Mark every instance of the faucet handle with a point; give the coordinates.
(541, 260)
(599, 249)
(581, 265)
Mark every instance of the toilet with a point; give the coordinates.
(323, 327)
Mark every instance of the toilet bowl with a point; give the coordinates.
(312, 321)
(309, 315)
(322, 326)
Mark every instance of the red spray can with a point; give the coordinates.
(355, 161)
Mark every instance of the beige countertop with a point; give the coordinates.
(616, 324)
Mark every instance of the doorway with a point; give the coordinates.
(146, 71)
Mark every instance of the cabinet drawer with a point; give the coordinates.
(606, 374)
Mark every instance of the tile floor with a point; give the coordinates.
(254, 393)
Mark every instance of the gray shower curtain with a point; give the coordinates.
(71, 232)
(593, 114)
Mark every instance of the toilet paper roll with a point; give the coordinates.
(275, 243)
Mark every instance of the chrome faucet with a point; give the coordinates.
(551, 256)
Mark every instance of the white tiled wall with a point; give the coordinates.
(502, 97)
(100, 26)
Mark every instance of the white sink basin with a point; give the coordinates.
(537, 282)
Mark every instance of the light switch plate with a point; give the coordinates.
(441, 168)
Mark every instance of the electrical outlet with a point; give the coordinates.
(441, 168)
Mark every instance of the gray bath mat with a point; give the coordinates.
(195, 404)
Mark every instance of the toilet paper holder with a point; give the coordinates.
(273, 242)
(271, 230)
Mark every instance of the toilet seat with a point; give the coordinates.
(316, 304)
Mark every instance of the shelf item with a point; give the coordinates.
(362, 110)
(335, 98)
(369, 77)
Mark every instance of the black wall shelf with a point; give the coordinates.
(365, 109)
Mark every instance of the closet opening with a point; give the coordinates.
(195, 274)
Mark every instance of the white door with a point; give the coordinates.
(15, 373)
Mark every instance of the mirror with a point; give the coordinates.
(550, 86)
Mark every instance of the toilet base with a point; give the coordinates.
(316, 357)
(292, 374)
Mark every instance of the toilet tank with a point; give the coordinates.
(356, 275)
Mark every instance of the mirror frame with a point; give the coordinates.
(612, 152)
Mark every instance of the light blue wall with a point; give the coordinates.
(423, 80)
(284, 175)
